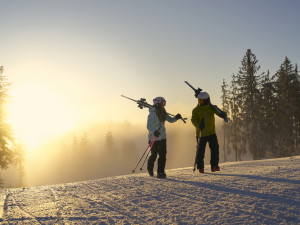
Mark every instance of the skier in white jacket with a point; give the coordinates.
(156, 127)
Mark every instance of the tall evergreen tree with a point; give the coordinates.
(110, 142)
(235, 130)
(84, 148)
(287, 88)
(248, 81)
(296, 109)
(6, 133)
(111, 151)
(269, 110)
(225, 107)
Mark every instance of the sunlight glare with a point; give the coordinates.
(37, 113)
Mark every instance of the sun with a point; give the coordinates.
(37, 113)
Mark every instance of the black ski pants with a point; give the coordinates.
(159, 148)
(214, 150)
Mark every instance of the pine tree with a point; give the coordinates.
(75, 144)
(110, 142)
(6, 133)
(296, 109)
(248, 81)
(235, 130)
(84, 148)
(287, 88)
(268, 122)
(111, 151)
(225, 107)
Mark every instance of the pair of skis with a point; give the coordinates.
(143, 104)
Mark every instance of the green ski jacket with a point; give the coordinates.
(207, 112)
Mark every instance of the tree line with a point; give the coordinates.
(264, 109)
(81, 158)
(11, 152)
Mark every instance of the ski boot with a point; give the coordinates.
(215, 168)
(150, 173)
(161, 175)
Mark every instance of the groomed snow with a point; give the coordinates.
(253, 192)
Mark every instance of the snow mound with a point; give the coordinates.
(253, 192)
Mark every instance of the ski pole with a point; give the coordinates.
(196, 153)
(148, 153)
(195, 161)
(150, 144)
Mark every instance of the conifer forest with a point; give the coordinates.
(264, 109)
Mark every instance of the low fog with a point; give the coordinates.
(105, 150)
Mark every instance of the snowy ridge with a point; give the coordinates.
(253, 192)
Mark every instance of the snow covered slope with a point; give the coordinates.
(254, 192)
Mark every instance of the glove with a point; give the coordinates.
(178, 116)
(223, 115)
(156, 133)
(201, 125)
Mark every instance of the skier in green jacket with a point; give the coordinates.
(204, 121)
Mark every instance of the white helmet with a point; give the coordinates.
(158, 100)
(203, 95)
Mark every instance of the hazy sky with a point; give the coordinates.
(69, 61)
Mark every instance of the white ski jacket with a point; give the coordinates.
(154, 124)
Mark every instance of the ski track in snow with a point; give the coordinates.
(253, 192)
